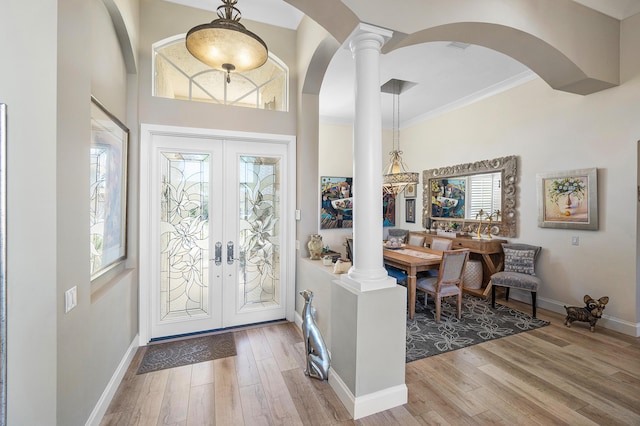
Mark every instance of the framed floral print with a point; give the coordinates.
(568, 200)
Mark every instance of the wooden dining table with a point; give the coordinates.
(412, 259)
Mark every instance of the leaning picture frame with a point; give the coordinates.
(568, 199)
(108, 190)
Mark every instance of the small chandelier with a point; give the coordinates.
(395, 177)
(225, 44)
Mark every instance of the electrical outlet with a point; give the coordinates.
(575, 241)
(70, 299)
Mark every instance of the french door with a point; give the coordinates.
(216, 234)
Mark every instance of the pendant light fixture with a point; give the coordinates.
(225, 44)
(395, 177)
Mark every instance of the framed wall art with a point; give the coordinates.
(410, 210)
(410, 191)
(388, 209)
(336, 204)
(568, 200)
(108, 189)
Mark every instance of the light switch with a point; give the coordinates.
(575, 241)
(70, 299)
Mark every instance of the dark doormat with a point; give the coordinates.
(187, 351)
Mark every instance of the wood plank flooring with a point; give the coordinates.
(551, 376)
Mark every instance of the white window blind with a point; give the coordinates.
(484, 193)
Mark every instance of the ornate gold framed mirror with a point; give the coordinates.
(466, 196)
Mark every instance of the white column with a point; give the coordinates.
(367, 306)
(367, 272)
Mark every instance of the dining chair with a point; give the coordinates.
(519, 272)
(441, 243)
(449, 280)
(399, 233)
(416, 240)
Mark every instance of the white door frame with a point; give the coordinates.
(147, 131)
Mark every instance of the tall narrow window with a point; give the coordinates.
(178, 75)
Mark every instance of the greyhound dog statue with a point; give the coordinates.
(316, 351)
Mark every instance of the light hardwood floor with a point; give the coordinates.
(551, 376)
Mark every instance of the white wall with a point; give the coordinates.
(92, 338)
(58, 364)
(28, 87)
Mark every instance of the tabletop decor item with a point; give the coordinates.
(315, 246)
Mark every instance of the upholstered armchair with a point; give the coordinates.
(519, 272)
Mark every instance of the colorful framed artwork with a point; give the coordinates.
(108, 190)
(410, 191)
(410, 210)
(388, 209)
(568, 200)
(448, 198)
(336, 204)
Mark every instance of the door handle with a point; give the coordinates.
(230, 258)
(218, 254)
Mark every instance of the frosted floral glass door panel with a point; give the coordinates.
(255, 208)
(184, 235)
(259, 274)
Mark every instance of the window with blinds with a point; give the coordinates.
(484, 193)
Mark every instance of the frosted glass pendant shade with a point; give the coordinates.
(225, 44)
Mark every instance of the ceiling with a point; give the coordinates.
(447, 76)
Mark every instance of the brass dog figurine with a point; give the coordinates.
(591, 313)
(315, 348)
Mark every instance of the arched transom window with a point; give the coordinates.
(178, 75)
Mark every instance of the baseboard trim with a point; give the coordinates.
(107, 395)
(298, 320)
(607, 321)
(369, 404)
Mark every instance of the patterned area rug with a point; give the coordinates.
(479, 323)
(187, 351)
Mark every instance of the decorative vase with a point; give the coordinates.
(315, 246)
(570, 205)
